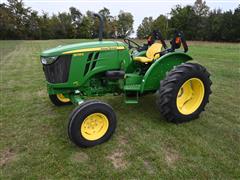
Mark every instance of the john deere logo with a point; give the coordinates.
(79, 54)
(108, 48)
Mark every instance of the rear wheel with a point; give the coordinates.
(184, 93)
(59, 100)
(91, 123)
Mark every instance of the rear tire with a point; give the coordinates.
(59, 100)
(91, 123)
(184, 93)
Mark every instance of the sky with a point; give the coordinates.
(138, 8)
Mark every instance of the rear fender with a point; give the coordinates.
(158, 70)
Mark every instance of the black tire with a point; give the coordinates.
(80, 113)
(54, 99)
(85, 103)
(170, 86)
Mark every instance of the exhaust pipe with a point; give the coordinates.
(101, 25)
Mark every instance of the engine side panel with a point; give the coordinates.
(86, 65)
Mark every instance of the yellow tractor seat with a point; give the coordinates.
(152, 50)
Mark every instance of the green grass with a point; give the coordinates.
(34, 142)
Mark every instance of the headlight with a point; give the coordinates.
(48, 60)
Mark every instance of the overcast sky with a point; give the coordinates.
(138, 8)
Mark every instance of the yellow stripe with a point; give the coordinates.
(95, 49)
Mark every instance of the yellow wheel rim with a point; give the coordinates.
(94, 126)
(62, 98)
(190, 96)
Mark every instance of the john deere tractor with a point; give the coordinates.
(75, 72)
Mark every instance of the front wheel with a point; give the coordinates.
(59, 100)
(184, 93)
(91, 123)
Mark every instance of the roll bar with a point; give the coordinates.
(179, 34)
(158, 35)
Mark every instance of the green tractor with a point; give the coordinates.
(75, 72)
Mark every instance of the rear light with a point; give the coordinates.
(178, 40)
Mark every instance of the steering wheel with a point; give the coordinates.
(131, 44)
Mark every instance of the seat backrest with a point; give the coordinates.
(153, 49)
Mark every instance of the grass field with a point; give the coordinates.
(34, 142)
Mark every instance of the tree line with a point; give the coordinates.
(20, 22)
(197, 22)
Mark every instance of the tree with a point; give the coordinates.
(77, 18)
(124, 24)
(7, 23)
(201, 11)
(33, 26)
(214, 22)
(236, 24)
(145, 28)
(45, 27)
(148, 25)
(161, 23)
(20, 17)
(87, 27)
(200, 8)
(184, 19)
(66, 25)
(196, 21)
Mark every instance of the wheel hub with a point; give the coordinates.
(62, 98)
(94, 126)
(190, 96)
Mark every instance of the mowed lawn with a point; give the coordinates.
(35, 145)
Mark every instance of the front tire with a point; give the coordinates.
(184, 93)
(91, 123)
(59, 100)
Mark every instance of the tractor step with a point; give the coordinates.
(131, 101)
(131, 97)
(131, 92)
(132, 87)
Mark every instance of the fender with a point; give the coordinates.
(158, 70)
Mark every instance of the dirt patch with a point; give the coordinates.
(148, 167)
(171, 157)
(122, 140)
(117, 159)
(41, 93)
(6, 157)
(79, 157)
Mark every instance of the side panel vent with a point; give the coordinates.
(91, 62)
(88, 63)
(95, 60)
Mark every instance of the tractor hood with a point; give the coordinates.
(88, 46)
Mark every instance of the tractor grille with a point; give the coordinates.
(58, 71)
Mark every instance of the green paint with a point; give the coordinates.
(62, 49)
(160, 67)
(88, 76)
